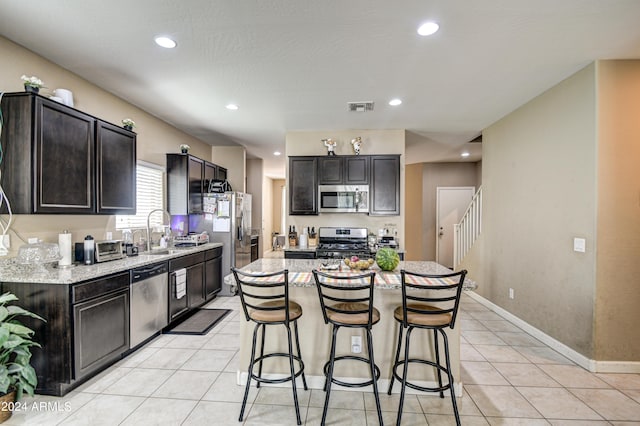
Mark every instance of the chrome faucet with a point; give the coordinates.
(165, 214)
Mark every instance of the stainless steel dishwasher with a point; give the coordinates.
(149, 302)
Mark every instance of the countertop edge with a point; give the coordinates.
(50, 274)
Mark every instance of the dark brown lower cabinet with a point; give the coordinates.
(255, 244)
(101, 332)
(212, 272)
(86, 328)
(295, 254)
(195, 285)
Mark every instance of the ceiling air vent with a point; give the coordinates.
(360, 106)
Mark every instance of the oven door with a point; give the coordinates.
(343, 199)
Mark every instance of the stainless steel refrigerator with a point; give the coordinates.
(227, 220)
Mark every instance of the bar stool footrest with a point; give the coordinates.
(349, 384)
(422, 388)
(297, 373)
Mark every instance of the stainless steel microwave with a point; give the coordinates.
(343, 198)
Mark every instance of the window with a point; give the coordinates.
(150, 190)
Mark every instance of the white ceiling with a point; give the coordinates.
(294, 65)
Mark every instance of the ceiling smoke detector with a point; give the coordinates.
(360, 106)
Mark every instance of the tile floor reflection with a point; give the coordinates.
(509, 377)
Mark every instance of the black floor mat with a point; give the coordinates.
(200, 322)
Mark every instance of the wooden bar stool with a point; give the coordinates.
(265, 301)
(347, 301)
(430, 310)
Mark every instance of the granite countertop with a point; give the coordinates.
(300, 271)
(11, 271)
(298, 248)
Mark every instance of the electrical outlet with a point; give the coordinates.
(511, 294)
(356, 344)
(33, 240)
(6, 241)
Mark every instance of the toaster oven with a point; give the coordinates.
(108, 250)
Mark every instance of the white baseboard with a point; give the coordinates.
(584, 362)
(317, 382)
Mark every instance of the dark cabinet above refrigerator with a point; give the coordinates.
(188, 177)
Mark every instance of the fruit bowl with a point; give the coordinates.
(358, 264)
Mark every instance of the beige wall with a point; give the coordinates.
(618, 204)
(539, 180)
(234, 159)
(267, 215)
(155, 138)
(374, 142)
(255, 188)
(413, 222)
(433, 176)
(277, 185)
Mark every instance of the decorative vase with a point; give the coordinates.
(32, 89)
(6, 402)
(129, 128)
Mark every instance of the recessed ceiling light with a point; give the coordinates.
(428, 28)
(165, 42)
(465, 154)
(395, 102)
(276, 153)
(232, 107)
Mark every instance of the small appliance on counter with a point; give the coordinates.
(108, 250)
(191, 239)
(388, 241)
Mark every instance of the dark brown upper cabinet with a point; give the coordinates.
(330, 170)
(60, 160)
(210, 173)
(188, 177)
(385, 185)
(303, 186)
(116, 161)
(185, 181)
(343, 170)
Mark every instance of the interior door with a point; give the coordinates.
(451, 204)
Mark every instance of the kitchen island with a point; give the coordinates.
(315, 334)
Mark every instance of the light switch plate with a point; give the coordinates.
(579, 245)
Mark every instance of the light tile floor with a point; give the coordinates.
(509, 378)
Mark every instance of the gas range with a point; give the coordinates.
(337, 243)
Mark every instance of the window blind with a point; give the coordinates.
(150, 190)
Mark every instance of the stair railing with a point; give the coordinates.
(467, 231)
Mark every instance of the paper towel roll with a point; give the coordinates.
(303, 241)
(65, 244)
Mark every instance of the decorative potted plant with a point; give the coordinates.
(128, 124)
(32, 84)
(17, 376)
(184, 148)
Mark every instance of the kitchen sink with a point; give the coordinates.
(163, 251)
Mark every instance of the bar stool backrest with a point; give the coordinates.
(263, 291)
(440, 292)
(337, 291)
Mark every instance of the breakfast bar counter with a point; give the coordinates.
(315, 334)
